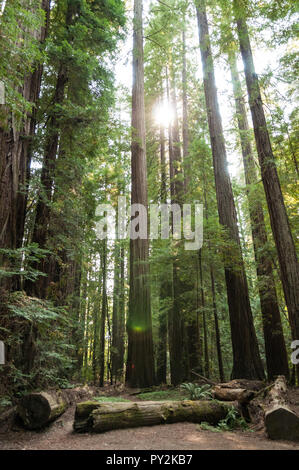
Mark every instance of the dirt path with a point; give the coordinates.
(180, 436)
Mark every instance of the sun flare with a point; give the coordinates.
(164, 114)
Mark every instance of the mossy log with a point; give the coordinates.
(280, 421)
(36, 410)
(100, 417)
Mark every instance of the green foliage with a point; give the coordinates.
(232, 421)
(5, 401)
(196, 392)
(35, 329)
(20, 51)
(24, 271)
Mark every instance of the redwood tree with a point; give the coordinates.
(140, 363)
(276, 353)
(278, 216)
(246, 359)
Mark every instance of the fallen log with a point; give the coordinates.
(36, 410)
(240, 390)
(100, 417)
(233, 394)
(252, 385)
(280, 421)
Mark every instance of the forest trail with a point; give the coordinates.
(180, 436)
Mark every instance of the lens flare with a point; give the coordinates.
(164, 114)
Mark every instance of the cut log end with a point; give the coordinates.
(38, 409)
(282, 423)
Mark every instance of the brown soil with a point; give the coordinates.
(180, 436)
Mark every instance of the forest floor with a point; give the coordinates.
(180, 436)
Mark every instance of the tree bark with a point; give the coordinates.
(278, 216)
(204, 320)
(276, 354)
(104, 314)
(165, 282)
(177, 352)
(121, 317)
(115, 313)
(246, 359)
(140, 363)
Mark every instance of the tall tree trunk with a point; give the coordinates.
(95, 344)
(204, 320)
(86, 330)
(32, 87)
(278, 216)
(15, 158)
(82, 323)
(96, 320)
(43, 211)
(116, 314)
(121, 317)
(246, 359)
(162, 339)
(104, 314)
(178, 190)
(163, 166)
(176, 321)
(185, 116)
(42, 218)
(140, 363)
(214, 303)
(276, 354)
(217, 331)
(165, 282)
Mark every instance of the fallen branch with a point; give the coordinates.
(208, 381)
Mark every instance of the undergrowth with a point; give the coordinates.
(197, 392)
(232, 421)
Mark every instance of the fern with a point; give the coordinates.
(197, 393)
(232, 421)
